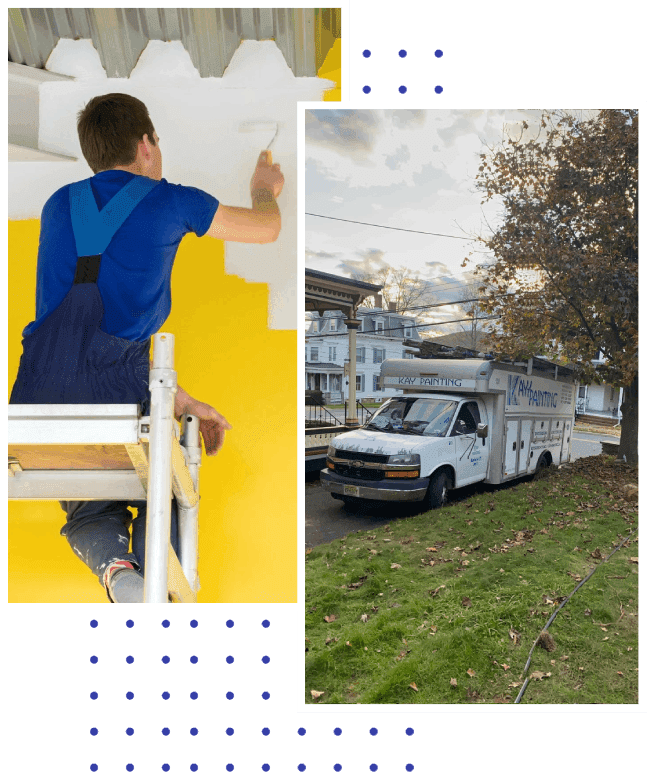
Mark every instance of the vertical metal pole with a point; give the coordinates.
(188, 517)
(163, 386)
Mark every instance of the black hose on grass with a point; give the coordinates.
(552, 618)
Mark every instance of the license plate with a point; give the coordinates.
(353, 491)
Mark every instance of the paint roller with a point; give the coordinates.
(262, 126)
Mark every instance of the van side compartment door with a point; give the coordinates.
(511, 447)
(524, 445)
(566, 441)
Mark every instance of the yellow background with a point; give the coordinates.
(225, 356)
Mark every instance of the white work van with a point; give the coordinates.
(456, 423)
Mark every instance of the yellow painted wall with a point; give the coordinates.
(331, 69)
(226, 356)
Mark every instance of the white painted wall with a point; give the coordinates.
(197, 120)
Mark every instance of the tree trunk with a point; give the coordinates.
(629, 435)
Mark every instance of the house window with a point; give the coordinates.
(335, 382)
(361, 325)
(314, 354)
(333, 323)
(582, 391)
(361, 352)
(324, 382)
(315, 326)
(376, 383)
(408, 331)
(379, 325)
(359, 382)
(332, 354)
(378, 355)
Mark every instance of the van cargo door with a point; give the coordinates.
(524, 444)
(566, 441)
(511, 447)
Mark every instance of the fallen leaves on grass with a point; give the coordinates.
(471, 672)
(436, 591)
(633, 559)
(515, 636)
(415, 687)
(316, 694)
(364, 618)
(540, 675)
(330, 618)
(453, 682)
(467, 602)
(396, 566)
(546, 641)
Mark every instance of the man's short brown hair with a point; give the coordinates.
(110, 127)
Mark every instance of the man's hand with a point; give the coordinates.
(212, 424)
(267, 176)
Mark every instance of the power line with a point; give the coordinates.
(392, 228)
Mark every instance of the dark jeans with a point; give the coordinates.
(98, 531)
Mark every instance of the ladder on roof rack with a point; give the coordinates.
(110, 452)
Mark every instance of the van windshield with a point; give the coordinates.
(414, 416)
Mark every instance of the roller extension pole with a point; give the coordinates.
(188, 517)
(163, 386)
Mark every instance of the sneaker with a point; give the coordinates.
(123, 583)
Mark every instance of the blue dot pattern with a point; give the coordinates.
(383, 54)
(178, 731)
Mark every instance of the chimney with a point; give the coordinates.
(393, 306)
(378, 300)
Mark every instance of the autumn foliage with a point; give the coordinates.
(564, 278)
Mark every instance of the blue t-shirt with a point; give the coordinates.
(135, 275)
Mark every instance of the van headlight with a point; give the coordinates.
(403, 459)
(331, 451)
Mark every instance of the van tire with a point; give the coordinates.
(437, 491)
(542, 467)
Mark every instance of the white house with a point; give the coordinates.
(382, 335)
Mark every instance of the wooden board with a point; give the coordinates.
(72, 457)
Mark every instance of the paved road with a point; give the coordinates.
(328, 519)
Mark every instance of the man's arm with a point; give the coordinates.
(260, 224)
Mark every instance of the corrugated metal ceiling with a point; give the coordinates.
(210, 35)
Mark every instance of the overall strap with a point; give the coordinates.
(93, 229)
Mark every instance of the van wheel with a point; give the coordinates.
(542, 467)
(438, 490)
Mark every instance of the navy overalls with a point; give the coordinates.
(69, 359)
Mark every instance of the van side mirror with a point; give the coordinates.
(481, 431)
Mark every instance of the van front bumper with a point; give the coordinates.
(394, 490)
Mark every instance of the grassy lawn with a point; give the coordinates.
(444, 606)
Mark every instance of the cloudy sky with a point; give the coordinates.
(411, 169)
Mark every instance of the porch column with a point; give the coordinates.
(352, 323)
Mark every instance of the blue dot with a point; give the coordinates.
(230, 624)
(266, 732)
(366, 53)
(194, 659)
(194, 732)
(166, 731)
(301, 767)
(366, 89)
(265, 767)
(229, 695)
(230, 767)
(409, 767)
(402, 89)
(438, 53)
(166, 767)
(373, 767)
(402, 53)
(130, 695)
(130, 623)
(94, 767)
(165, 659)
(373, 732)
(94, 625)
(130, 767)
(130, 731)
(265, 695)
(266, 624)
(93, 659)
(230, 659)
(194, 694)
(438, 89)
(265, 659)
(337, 767)
(166, 695)
(94, 731)
(194, 624)
(129, 659)
(302, 732)
(230, 732)
(94, 695)
(166, 623)
(409, 732)
(194, 767)
(337, 732)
